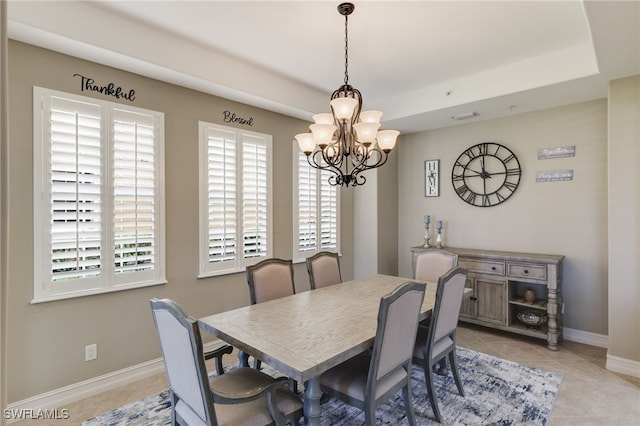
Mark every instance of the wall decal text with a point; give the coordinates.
(231, 117)
(89, 84)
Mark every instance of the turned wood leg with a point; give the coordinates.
(243, 359)
(312, 395)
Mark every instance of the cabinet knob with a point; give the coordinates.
(526, 271)
(493, 268)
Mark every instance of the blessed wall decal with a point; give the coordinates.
(89, 84)
(231, 117)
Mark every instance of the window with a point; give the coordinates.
(316, 209)
(98, 186)
(235, 199)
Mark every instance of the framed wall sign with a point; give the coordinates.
(432, 178)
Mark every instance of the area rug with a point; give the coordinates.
(498, 392)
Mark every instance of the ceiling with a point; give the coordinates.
(421, 62)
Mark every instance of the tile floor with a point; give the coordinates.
(589, 395)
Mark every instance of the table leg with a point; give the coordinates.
(312, 395)
(243, 359)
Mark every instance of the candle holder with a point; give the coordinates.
(427, 237)
(439, 238)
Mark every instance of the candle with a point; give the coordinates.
(427, 218)
(439, 224)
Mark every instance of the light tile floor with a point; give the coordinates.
(589, 395)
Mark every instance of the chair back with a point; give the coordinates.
(396, 333)
(446, 310)
(324, 269)
(270, 279)
(184, 363)
(431, 264)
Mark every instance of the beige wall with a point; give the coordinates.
(567, 218)
(46, 341)
(375, 221)
(624, 222)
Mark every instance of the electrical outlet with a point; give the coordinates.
(90, 352)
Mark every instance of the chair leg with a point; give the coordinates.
(370, 413)
(408, 403)
(428, 376)
(243, 359)
(454, 370)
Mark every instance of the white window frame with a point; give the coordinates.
(234, 261)
(112, 276)
(321, 179)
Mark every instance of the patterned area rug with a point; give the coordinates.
(498, 392)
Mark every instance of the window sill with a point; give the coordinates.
(92, 292)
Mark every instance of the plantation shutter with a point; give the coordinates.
(328, 213)
(75, 192)
(254, 196)
(98, 188)
(221, 195)
(316, 209)
(134, 192)
(235, 204)
(307, 205)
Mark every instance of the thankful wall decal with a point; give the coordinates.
(89, 84)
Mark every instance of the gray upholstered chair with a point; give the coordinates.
(437, 342)
(366, 380)
(431, 264)
(241, 396)
(324, 269)
(268, 280)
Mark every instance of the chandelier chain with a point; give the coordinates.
(346, 49)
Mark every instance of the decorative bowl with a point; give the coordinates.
(533, 318)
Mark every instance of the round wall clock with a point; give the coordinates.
(486, 174)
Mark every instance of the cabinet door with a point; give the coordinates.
(491, 302)
(467, 309)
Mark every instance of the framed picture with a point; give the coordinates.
(432, 178)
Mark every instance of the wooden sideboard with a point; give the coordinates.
(499, 280)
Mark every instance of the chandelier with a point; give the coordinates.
(347, 141)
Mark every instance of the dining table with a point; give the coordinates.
(307, 333)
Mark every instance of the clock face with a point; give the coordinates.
(486, 174)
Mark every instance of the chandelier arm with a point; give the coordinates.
(362, 165)
(329, 165)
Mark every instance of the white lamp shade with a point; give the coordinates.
(343, 107)
(306, 142)
(370, 116)
(323, 133)
(366, 132)
(323, 118)
(387, 139)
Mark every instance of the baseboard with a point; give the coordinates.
(579, 336)
(623, 366)
(58, 398)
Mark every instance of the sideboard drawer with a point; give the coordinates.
(483, 266)
(522, 270)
